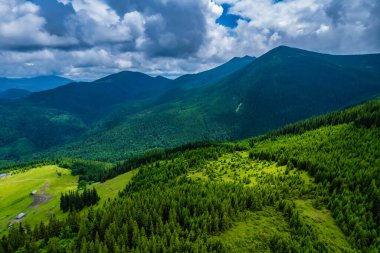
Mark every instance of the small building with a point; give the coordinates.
(2, 175)
(33, 192)
(20, 216)
(10, 225)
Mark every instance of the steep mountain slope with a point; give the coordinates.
(289, 84)
(26, 129)
(34, 84)
(129, 113)
(91, 100)
(309, 187)
(282, 86)
(213, 75)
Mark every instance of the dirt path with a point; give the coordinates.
(42, 197)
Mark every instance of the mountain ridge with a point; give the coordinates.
(283, 86)
(33, 84)
(201, 79)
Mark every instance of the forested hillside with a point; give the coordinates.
(309, 187)
(28, 129)
(91, 101)
(278, 88)
(13, 94)
(130, 113)
(213, 75)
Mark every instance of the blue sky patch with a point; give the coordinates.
(229, 20)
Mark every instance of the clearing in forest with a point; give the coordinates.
(16, 194)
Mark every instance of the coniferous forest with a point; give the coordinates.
(165, 126)
(315, 182)
(76, 201)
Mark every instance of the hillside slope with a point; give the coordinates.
(309, 187)
(213, 75)
(28, 129)
(91, 100)
(129, 113)
(288, 84)
(280, 87)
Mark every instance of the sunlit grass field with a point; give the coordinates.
(15, 194)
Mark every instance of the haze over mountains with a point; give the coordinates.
(128, 113)
(33, 84)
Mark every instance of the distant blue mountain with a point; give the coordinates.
(33, 84)
(89, 99)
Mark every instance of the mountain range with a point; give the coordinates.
(208, 162)
(33, 84)
(129, 113)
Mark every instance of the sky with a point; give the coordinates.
(88, 39)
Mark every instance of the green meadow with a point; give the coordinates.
(49, 182)
(110, 189)
(16, 189)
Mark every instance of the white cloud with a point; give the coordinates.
(96, 10)
(22, 28)
(97, 37)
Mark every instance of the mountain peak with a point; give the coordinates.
(211, 76)
(284, 49)
(243, 58)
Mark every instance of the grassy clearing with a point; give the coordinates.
(15, 194)
(237, 167)
(254, 232)
(111, 188)
(325, 224)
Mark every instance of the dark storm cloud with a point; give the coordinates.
(173, 28)
(347, 13)
(335, 11)
(374, 30)
(56, 15)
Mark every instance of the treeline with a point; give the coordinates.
(88, 171)
(365, 115)
(75, 200)
(7, 166)
(150, 157)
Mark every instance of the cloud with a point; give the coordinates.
(331, 26)
(172, 28)
(55, 14)
(86, 39)
(21, 28)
